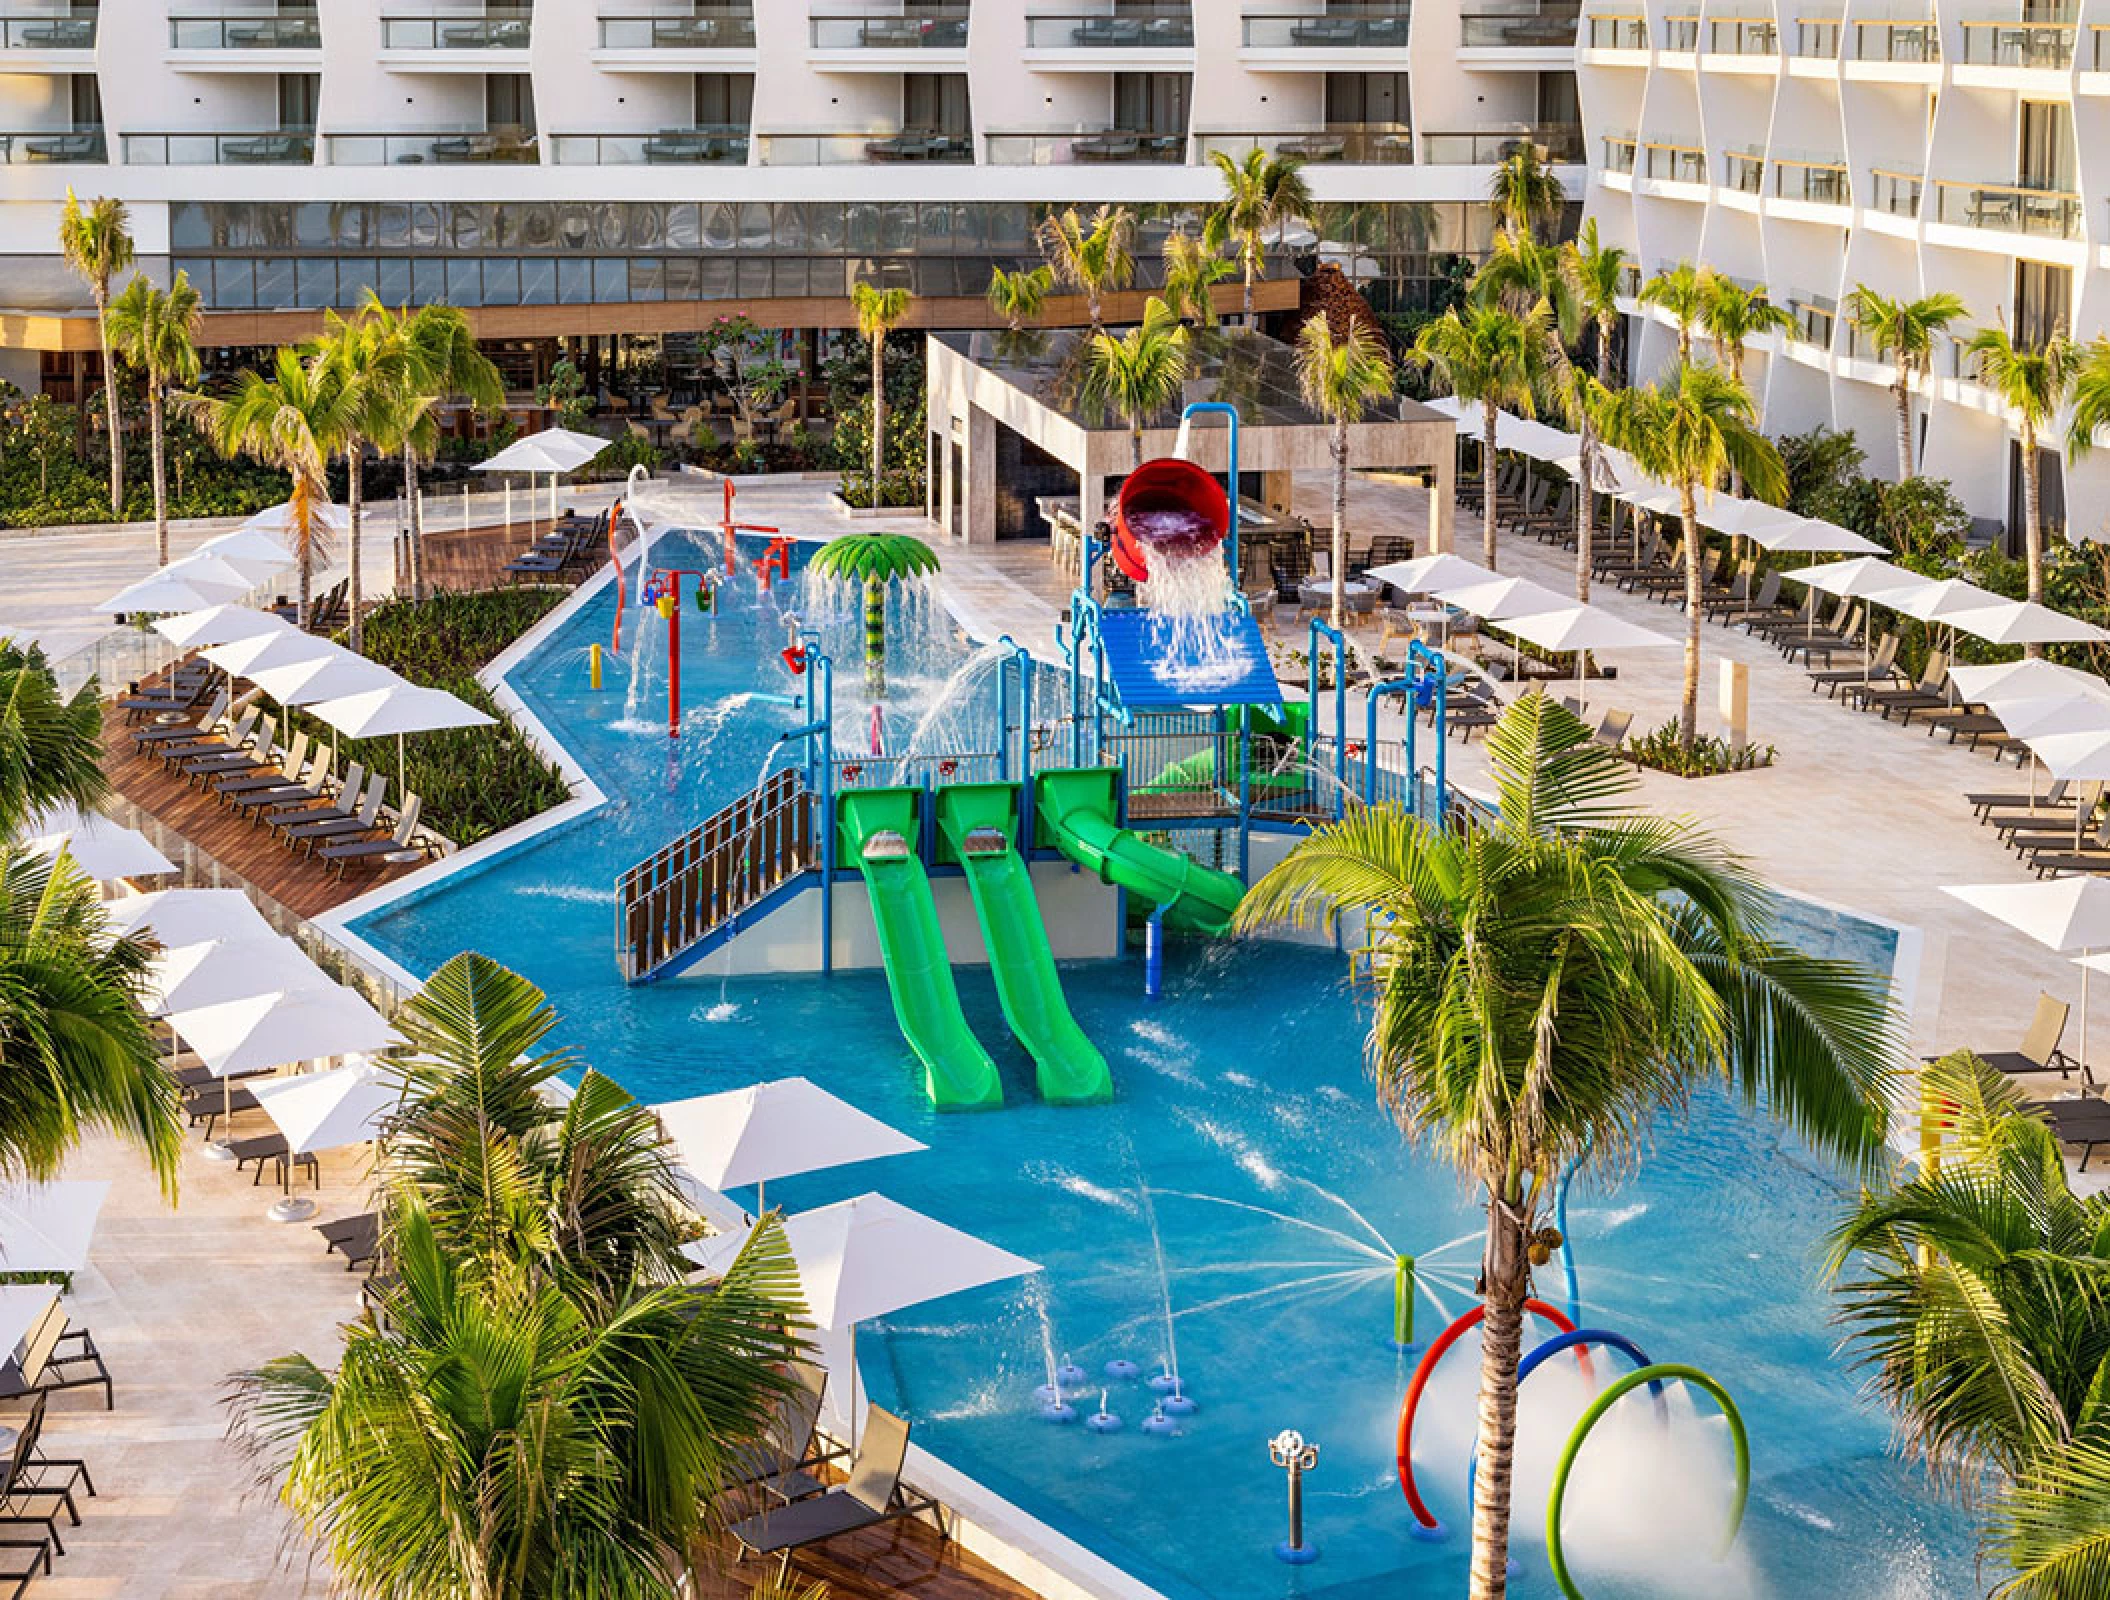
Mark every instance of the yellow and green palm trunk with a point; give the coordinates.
(875, 636)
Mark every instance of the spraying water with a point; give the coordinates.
(1189, 597)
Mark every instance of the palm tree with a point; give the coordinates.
(1685, 293)
(157, 332)
(50, 743)
(443, 362)
(76, 1050)
(1526, 194)
(294, 420)
(1977, 1291)
(1018, 296)
(1094, 258)
(1687, 433)
(1193, 269)
(1341, 378)
(1140, 373)
(879, 313)
(1548, 984)
(1733, 317)
(538, 1405)
(1596, 273)
(1903, 330)
(373, 368)
(876, 560)
(1496, 356)
(2033, 381)
(96, 240)
(1262, 192)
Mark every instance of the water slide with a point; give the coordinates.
(878, 829)
(978, 822)
(1074, 811)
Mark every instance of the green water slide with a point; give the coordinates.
(877, 829)
(977, 822)
(1278, 742)
(1074, 811)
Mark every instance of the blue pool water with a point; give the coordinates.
(1244, 1181)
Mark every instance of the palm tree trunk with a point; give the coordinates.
(1604, 350)
(1487, 484)
(875, 637)
(1689, 712)
(1903, 390)
(1135, 447)
(1585, 511)
(117, 439)
(1251, 269)
(2033, 527)
(415, 520)
(161, 493)
(1339, 445)
(303, 546)
(1507, 1276)
(355, 496)
(878, 416)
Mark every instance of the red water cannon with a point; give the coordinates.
(1170, 506)
(775, 564)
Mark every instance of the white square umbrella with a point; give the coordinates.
(773, 1130)
(20, 1306)
(2027, 678)
(247, 544)
(188, 976)
(2024, 622)
(170, 590)
(323, 677)
(551, 450)
(1428, 574)
(319, 1111)
(239, 657)
(2065, 914)
(402, 708)
(1583, 629)
(278, 519)
(1811, 536)
(48, 1227)
(2040, 716)
(187, 916)
(1747, 518)
(1864, 577)
(866, 1257)
(1505, 597)
(106, 851)
(219, 625)
(279, 1029)
(248, 571)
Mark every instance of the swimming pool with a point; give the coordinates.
(1243, 1182)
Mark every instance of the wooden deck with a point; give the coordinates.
(460, 561)
(303, 885)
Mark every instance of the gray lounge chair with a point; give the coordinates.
(2039, 1050)
(374, 852)
(2085, 1122)
(306, 835)
(53, 1357)
(873, 1495)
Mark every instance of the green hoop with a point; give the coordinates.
(1604, 1403)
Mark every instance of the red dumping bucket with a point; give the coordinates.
(1169, 505)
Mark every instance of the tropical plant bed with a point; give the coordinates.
(1708, 756)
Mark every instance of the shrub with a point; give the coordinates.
(1660, 750)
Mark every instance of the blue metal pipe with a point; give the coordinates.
(1325, 630)
(1206, 408)
(1377, 691)
(1154, 955)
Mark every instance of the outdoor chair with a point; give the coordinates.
(2054, 817)
(781, 1462)
(214, 1101)
(1765, 603)
(403, 838)
(25, 1503)
(53, 1357)
(2085, 1122)
(179, 691)
(305, 836)
(342, 800)
(284, 768)
(1612, 728)
(291, 788)
(2049, 860)
(1880, 670)
(1827, 642)
(201, 766)
(356, 1238)
(1985, 802)
(272, 1148)
(145, 739)
(2039, 1050)
(1788, 619)
(873, 1495)
(220, 736)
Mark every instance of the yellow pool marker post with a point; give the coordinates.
(593, 664)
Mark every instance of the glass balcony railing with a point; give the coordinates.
(493, 30)
(863, 149)
(48, 32)
(1674, 163)
(438, 146)
(1356, 144)
(917, 30)
(1897, 193)
(1815, 180)
(1619, 151)
(1817, 37)
(1681, 33)
(2098, 47)
(1171, 29)
(1485, 147)
(30, 146)
(2047, 46)
(270, 147)
(701, 146)
(706, 30)
(2041, 212)
(1744, 170)
(1742, 36)
(1371, 28)
(1816, 316)
(1103, 147)
(1621, 32)
(278, 30)
(1545, 28)
(1905, 42)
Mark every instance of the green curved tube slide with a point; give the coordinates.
(978, 822)
(877, 828)
(1076, 815)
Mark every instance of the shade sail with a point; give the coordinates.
(328, 1110)
(774, 1130)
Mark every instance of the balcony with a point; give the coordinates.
(1674, 163)
(917, 29)
(1744, 170)
(276, 30)
(1619, 149)
(699, 146)
(720, 28)
(47, 31)
(1617, 31)
(1915, 43)
(1895, 193)
(1681, 35)
(2039, 46)
(1170, 29)
(77, 145)
(1813, 180)
(2098, 47)
(269, 147)
(1742, 36)
(1543, 27)
(1558, 142)
(1103, 147)
(1372, 28)
(1817, 38)
(1816, 315)
(445, 147)
(492, 30)
(1354, 144)
(840, 149)
(2039, 212)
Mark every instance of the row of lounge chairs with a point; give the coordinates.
(41, 1494)
(2082, 1120)
(572, 546)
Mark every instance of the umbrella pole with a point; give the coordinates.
(2084, 1020)
(853, 1353)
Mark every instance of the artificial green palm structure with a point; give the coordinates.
(876, 560)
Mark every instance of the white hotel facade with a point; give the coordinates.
(596, 168)
(1813, 145)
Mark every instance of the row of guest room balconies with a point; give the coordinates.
(2033, 46)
